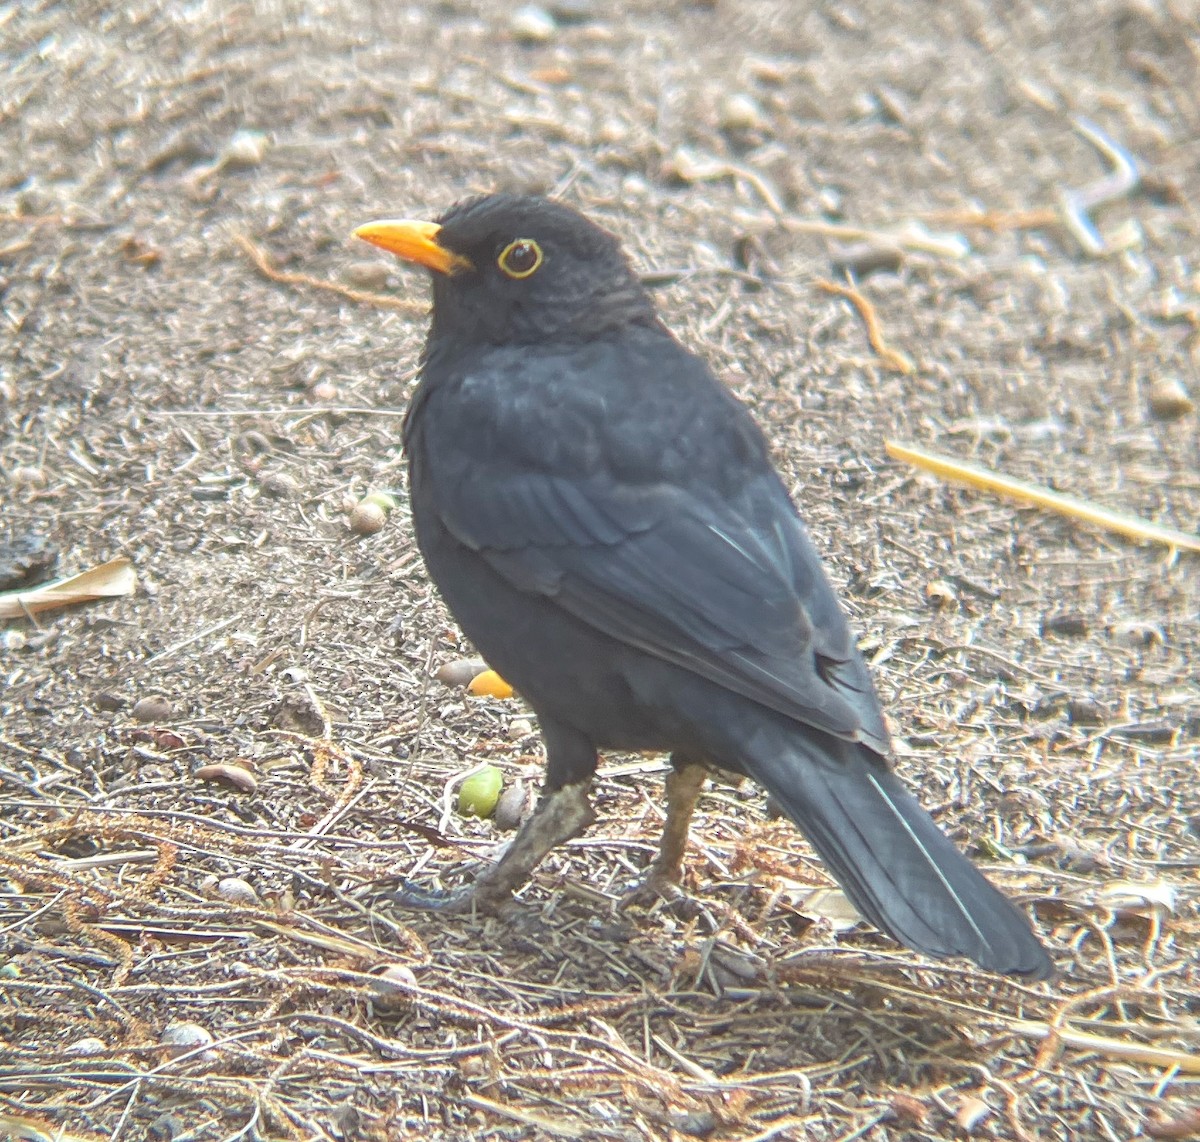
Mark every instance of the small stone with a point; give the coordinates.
(367, 518)
(399, 973)
(300, 712)
(740, 112)
(573, 11)
(28, 476)
(109, 702)
(1068, 623)
(234, 776)
(861, 259)
(280, 485)
(235, 890)
(152, 708)
(324, 391)
(393, 986)
(519, 728)
(245, 149)
(89, 1045)
(181, 1038)
(532, 25)
(1169, 399)
(829, 201)
(1085, 712)
(367, 275)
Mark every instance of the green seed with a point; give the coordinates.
(478, 795)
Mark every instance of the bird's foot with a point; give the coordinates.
(562, 814)
(659, 886)
(479, 896)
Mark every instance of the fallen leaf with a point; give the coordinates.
(109, 580)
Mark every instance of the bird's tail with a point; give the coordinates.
(893, 862)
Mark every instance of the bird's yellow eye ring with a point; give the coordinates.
(521, 258)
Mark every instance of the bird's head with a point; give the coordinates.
(516, 269)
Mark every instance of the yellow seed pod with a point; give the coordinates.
(489, 684)
(480, 793)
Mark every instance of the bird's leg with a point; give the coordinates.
(561, 814)
(662, 878)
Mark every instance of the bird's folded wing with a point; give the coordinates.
(733, 591)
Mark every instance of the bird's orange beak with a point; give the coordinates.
(414, 242)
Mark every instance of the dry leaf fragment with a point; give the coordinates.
(234, 776)
(907, 1109)
(831, 905)
(109, 580)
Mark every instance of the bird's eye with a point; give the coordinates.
(521, 258)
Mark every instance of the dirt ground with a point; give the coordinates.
(163, 399)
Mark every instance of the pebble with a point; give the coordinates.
(519, 728)
(89, 1045)
(740, 112)
(367, 275)
(245, 149)
(532, 25)
(1169, 399)
(151, 708)
(573, 11)
(399, 973)
(235, 890)
(180, 1038)
(28, 476)
(280, 485)
(1071, 624)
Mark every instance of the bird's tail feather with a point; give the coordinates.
(893, 862)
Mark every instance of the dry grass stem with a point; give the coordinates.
(892, 359)
(1073, 508)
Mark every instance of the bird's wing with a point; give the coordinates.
(730, 589)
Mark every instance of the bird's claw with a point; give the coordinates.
(470, 898)
(658, 887)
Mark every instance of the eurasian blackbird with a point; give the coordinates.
(602, 517)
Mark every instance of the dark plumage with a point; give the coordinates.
(602, 517)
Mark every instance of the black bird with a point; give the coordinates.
(602, 517)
